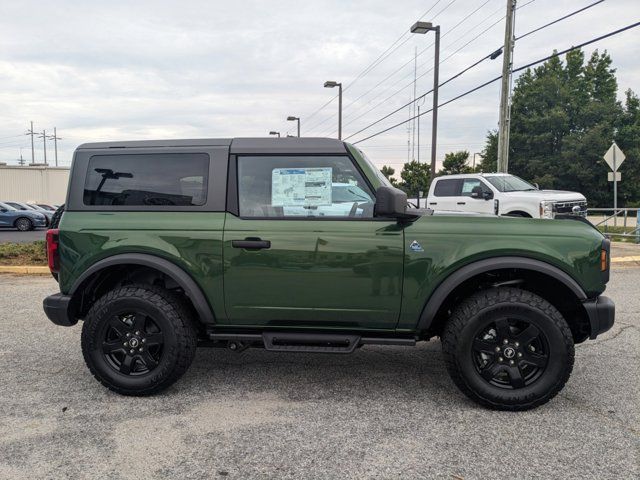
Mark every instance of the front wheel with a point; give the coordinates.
(508, 349)
(138, 340)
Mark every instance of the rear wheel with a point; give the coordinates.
(508, 349)
(23, 224)
(138, 340)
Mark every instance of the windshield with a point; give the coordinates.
(349, 193)
(6, 207)
(510, 183)
(384, 180)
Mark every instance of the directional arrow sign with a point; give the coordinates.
(614, 157)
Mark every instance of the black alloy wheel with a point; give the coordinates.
(510, 353)
(138, 339)
(508, 349)
(132, 343)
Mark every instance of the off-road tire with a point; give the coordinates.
(23, 224)
(474, 312)
(165, 309)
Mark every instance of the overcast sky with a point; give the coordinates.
(191, 69)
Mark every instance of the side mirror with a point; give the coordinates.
(487, 195)
(390, 202)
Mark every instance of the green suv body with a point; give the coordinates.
(302, 245)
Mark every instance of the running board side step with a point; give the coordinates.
(308, 342)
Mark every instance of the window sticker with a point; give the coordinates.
(305, 187)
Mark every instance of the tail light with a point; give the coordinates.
(53, 253)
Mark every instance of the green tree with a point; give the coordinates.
(416, 177)
(564, 116)
(389, 172)
(489, 162)
(455, 162)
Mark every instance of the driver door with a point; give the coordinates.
(303, 250)
(468, 203)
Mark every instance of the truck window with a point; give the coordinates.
(302, 186)
(447, 187)
(154, 180)
(469, 184)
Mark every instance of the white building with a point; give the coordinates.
(39, 183)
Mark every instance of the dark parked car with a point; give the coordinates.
(23, 220)
(25, 207)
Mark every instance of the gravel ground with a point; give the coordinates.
(383, 412)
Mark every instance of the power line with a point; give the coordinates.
(473, 65)
(401, 89)
(424, 73)
(468, 92)
(420, 76)
(427, 48)
(370, 67)
(559, 20)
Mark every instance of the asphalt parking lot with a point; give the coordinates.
(14, 236)
(383, 412)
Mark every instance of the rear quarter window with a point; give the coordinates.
(154, 180)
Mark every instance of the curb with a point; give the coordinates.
(632, 259)
(25, 269)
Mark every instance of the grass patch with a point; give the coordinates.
(34, 253)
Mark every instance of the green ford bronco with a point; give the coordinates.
(302, 245)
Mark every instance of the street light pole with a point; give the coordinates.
(332, 84)
(297, 119)
(274, 133)
(422, 28)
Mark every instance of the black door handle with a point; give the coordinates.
(251, 244)
(433, 203)
(461, 203)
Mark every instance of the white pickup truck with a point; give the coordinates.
(501, 194)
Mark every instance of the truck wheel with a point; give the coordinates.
(508, 349)
(23, 224)
(138, 340)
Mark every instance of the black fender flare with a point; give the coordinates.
(178, 274)
(443, 290)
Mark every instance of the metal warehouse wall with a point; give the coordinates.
(33, 184)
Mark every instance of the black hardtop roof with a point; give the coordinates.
(237, 145)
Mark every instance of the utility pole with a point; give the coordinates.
(21, 161)
(32, 133)
(505, 100)
(415, 80)
(43, 136)
(55, 139)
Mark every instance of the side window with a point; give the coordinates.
(447, 188)
(155, 180)
(469, 184)
(302, 186)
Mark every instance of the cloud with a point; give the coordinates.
(149, 69)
